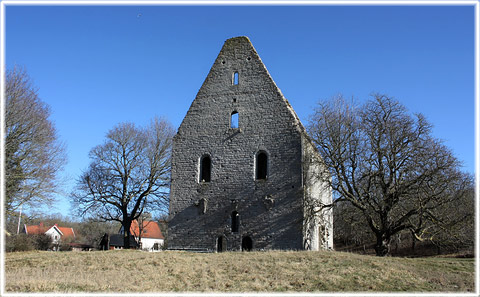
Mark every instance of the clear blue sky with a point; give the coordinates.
(97, 66)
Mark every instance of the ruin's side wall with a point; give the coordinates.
(318, 221)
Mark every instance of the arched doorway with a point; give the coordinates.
(221, 244)
(247, 243)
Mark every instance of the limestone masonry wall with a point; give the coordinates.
(268, 213)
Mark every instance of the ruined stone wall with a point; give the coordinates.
(270, 211)
(318, 221)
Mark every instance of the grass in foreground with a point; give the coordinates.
(136, 271)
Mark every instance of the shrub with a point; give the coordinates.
(19, 243)
(24, 242)
(41, 242)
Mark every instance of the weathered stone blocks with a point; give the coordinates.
(269, 212)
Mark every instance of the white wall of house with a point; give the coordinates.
(55, 234)
(148, 243)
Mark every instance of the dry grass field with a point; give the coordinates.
(136, 271)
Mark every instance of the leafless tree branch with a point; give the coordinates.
(386, 163)
(128, 174)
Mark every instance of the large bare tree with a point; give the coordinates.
(128, 174)
(387, 164)
(33, 154)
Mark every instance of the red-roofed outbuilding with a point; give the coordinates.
(150, 229)
(55, 232)
(148, 234)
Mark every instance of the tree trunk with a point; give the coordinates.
(414, 241)
(127, 222)
(382, 247)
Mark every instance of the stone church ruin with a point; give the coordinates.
(245, 175)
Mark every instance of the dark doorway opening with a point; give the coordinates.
(247, 244)
(221, 244)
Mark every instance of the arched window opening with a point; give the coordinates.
(235, 78)
(221, 244)
(234, 120)
(205, 169)
(235, 221)
(261, 166)
(247, 244)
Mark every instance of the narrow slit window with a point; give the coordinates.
(261, 166)
(235, 221)
(235, 78)
(205, 169)
(234, 120)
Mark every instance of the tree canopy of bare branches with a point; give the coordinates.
(128, 174)
(33, 154)
(387, 164)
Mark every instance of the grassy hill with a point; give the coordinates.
(136, 271)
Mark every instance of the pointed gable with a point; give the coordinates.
(238, 74)
(237, 56)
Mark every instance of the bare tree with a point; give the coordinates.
(450, 225)
(350, 227)
(91, 231)
(386, 163)
(33, 153)
(128, 174)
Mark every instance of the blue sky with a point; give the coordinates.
(97, 66)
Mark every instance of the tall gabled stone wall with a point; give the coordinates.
(270, 211)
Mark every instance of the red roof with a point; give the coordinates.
(67, 232)
(40, 229)
(150, 229)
